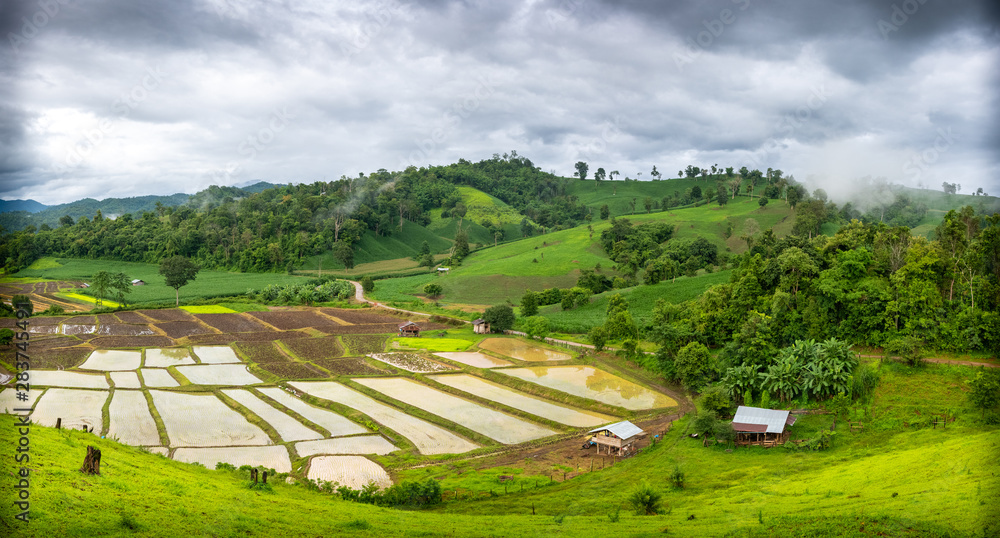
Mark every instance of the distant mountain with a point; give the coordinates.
(18, 214)
(257, 186)
(30, 206)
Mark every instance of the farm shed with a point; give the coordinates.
(409, 329)
(619, 435)
(138, 282)
(84, 285)
(755, 426)
(480, 326)
(444, 269)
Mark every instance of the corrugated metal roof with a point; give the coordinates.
(755, 428)
(774, 420)
(623, 429)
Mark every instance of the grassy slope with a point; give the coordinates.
(945, 480)
(207, 284)
(492, 275)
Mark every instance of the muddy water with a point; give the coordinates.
(104, 359)
(522, 351)
(491, 423)
(215, 354)
(473, 358)
(164, 357)
(589, 382)
(518, 400)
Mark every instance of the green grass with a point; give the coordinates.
(87, 299)
(208, 309)
(641, 301)
(482, 207)
(208, 284)
(433, 344)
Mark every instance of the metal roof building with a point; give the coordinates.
(619, 435)
(758, 426)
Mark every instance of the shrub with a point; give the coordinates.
(598, 336)
(536, 327)
(529, 304)
(716, 400)
(367, 284)
(433, 290)
(724, 432)
(677, 477)
(25, 300)
(6, 336)
(909, 348)
(863, 382)
(645, 500)
(704, 423)
(500, 317)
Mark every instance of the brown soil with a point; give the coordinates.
(233, 323)
(181, 329)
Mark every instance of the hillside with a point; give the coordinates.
(888, 480)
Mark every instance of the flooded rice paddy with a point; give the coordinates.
(589, 382)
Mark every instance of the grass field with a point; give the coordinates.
(208, 284)
(641, 300)
(888, 480)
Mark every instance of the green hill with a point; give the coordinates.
(888, 480)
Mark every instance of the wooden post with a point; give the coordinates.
(59, 423)
(564, 476)
(532, 508)
(92, 463)
(591, 465)
(265, 477)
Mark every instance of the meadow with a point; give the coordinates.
(206, 285)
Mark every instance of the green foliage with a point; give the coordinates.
(864, 380)
(598, 336)
(500, 318)
(433, 290)
(529, 304)
(22, 302)
(177, 272)
(536, 327)
(693, 366)
(984, 390)
(704, 423)
(367, 284)
(677, 477)
(645, 500)
(6, 336)
(724, 432)
(909, 348)
(716, 400)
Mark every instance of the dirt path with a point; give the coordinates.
(359, 295)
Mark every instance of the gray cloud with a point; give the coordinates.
(118, 98)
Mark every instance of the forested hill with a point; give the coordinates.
(281, 226)
(266, 227)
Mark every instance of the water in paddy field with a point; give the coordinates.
(589, 382)
(522, 350)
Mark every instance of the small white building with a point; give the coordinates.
(138, 282)
(480, 326)
(619, 435)
(444, 269)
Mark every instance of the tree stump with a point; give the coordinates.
(92, 463)
(253, 475)
(59, 423)
(265, 477)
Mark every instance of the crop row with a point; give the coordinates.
(316, 348)
(260, 352)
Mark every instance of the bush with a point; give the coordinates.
(704, 423)
(716, 400)
(693, 366)
(677, 477)
(724, 432)
(598, 336)
(863, 382)
(367, 284)
(6, 336)
(500, 317)
(909, 348)
(25, 300)
(536, 327)
(645, 500)
(433, 290)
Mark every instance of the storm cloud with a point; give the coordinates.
(132, 97)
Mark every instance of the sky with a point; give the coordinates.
(133, 97)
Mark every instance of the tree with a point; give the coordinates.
(433, 290)
(100, 283)
(762, 202)
(6, 336)
(178, 271)
(605, 212)
(598, 336)
(461, 245)
(122, 286)
(529, 304)
(693, 365)
(25, 303)
(536, 327)
(985, 389)
(750, 231)
(656, 173)
(600, 174)
(648, 204)
(500, 317)
(344, 253)
(581, 169)
(716, 399)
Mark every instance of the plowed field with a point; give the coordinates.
(316, 348)
(233, 323)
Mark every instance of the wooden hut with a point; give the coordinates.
(756, 426)
(480, 326)
(138, 282)
(618, 436)
(409, 329)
